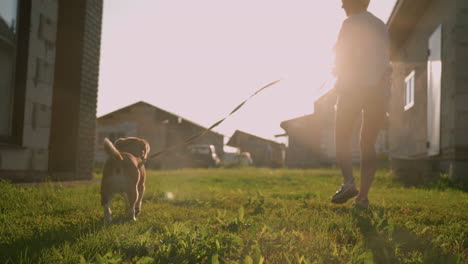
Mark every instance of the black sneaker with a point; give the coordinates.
(346, 192)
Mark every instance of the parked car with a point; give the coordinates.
(245, 159)
(203, 156)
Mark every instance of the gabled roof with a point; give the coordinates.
(403, 19)
(298, 120)
(141, 103)
(328, 96)
(310, 117)
(126, 108)
(233, 140)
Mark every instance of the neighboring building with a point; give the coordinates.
(49, 64)
(162, 129)
(311, 138)
(303, 149)
(264, 152)
(429, 100)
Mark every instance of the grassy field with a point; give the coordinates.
(236, 216)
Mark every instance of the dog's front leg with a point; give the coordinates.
(106, 203)
(107, 213)
(141, 191)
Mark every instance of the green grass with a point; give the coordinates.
(236, 216)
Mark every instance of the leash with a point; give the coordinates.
(200, 134)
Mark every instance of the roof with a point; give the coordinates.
(233, 140)
(287, 124)
(329, 93)
(158, 109)
(291, 122)
(403, 19)
(328, 98)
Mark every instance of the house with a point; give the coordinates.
(264, 152)
(163, 131)
(303, 142)
(311, 138)
(428, 124)
(49, 64)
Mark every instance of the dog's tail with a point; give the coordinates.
(111, 150)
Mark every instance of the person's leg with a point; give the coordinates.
(347, 112)
(346, 115)
(372, 122)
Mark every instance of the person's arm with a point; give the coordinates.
(340, 48)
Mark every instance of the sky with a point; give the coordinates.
(200, 59)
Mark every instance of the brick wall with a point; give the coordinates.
(89, 84)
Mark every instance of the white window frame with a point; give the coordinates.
(409, 90)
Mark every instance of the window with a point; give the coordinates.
(409, 91)
(13, 41)
(8, 42)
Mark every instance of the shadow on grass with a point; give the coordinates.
(390, 243)
(27, 250)
(444, 183)
(422, 181)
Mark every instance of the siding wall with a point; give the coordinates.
(408, 135)
(30, 161)
(32, 155)
(460, 96)
(458, 166)
(408, 129)
(303, 142)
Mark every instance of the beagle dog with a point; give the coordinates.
(124, 172)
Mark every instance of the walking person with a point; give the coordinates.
(362, 68)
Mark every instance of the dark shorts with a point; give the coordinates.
(368, 102)
(371, 104)
(367, 98)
